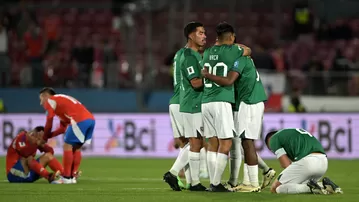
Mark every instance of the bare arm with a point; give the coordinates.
(246, 50)
(196, 83)
(284, 161)
(223, 81)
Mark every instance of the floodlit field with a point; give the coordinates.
(112, 179)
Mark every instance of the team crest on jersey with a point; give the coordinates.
(201, 128)
(236, 63)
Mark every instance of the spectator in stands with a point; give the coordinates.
(23, 18)
(36, 44)
(315, 76)
(52, 28)
(263, 59)
(340, 73)
(303, 19)
(5, 68)
(295, 105)
(83, 56)
(2, 106)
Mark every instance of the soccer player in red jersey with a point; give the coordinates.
(21, 166)
(75, 121)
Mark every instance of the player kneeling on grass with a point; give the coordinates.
(304, 162)
(21, 166)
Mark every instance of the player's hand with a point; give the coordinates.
(204, 72)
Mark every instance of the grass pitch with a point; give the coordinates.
(114, 179)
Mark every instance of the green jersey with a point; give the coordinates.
(190, 98)
(296, 143)
(175, 99)
(249, 88)
(219, 60)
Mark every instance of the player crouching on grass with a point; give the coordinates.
(21, 166)
(304, 162)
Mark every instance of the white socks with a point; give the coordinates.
(181, 161)
(245, 175)
(211, 162)
(262, 165)
(293, 189)
(253, 175)
(194, 162)
(221, 164)
(187, 174)
(203, 160)
(236, 160)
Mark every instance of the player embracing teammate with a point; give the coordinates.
(205, 109)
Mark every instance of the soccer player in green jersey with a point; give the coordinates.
(216, 103)
(177, 128)
(190, 100)
(304, 162)
(249, 108)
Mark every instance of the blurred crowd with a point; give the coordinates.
(68, 47)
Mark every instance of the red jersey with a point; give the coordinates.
(20, 147)
(67, 109)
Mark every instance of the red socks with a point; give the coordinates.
(55, 165)
(39, 169)
(67, 161)
(77, 161)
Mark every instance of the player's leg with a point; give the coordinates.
(252, 116)
(19, 173)
(225, 132)
(28, 170)
(87, 128)
(193, 131)
(235, 156)
(268, 173)
(203, 160)
(302, 176)
(48, 159)
(212, 144)
(182, 142)
(75, 135)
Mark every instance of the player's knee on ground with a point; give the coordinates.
(274, 186)
(225, 145)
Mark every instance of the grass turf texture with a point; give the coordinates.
(112, 179)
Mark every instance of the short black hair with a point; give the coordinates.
(39, 128)
(48, 90)
(269, 135)
(223, 28)
(191, 27)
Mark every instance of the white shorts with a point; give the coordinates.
(249, 120)
(192, 124)
(312, 166)
(176, 120)
(218, 120)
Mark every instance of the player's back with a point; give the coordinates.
(249, 86)
(67, 107)
(219, 59)
(19, 147)
(298, 143)
(175, 99)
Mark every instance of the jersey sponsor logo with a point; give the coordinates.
(190, 70)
